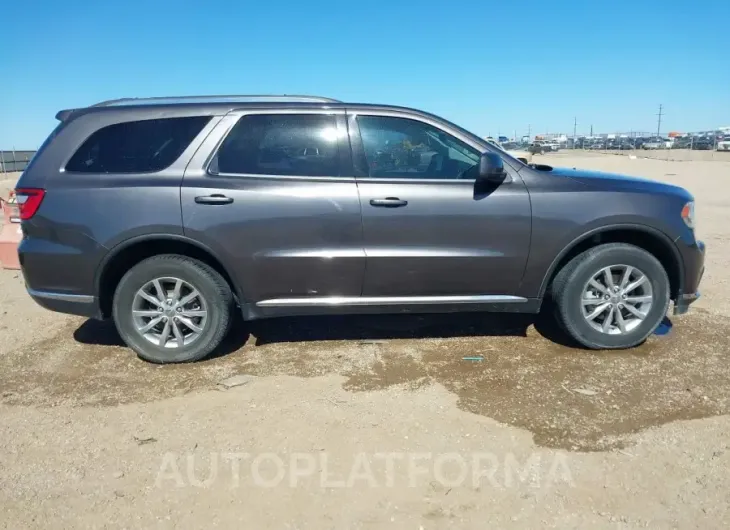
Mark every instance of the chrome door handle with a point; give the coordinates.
(388, 202)
(213, 199)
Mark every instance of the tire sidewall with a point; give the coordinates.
(142, 274)
(572, 295)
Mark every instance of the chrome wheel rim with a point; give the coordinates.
(617, 299)
(169, 312)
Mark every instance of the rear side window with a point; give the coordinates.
(280, 144)
(136, 146)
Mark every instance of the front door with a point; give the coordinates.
(429, 230)
(277, 206)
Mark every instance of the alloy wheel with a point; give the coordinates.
(169, 312)
(616, 299)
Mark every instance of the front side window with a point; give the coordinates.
(145, 146)
(280, 144)
(400, 148)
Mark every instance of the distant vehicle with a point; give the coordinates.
(724, 144)
(683, 142)
(657, 143)
(511, 148)
(538, 148)
(554, 146)
(704, 143)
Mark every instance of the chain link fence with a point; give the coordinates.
(12, 161)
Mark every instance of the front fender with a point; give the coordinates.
(549, 271)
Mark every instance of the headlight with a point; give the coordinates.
(688, 214)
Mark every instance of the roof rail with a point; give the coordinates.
(212, 98)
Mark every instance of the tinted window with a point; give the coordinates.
(136, 146)
(403, 148)
(280, 144)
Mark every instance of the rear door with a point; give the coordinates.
(430, 230)
(276, 204)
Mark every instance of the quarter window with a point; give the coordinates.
(136, 146)
(401, 148)
(281, 144)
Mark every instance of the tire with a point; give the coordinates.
(568, 291)
(215, 300)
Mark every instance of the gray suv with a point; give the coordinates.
(170, 214)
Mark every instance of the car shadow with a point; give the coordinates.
(358, 328)
(104, 333)
(367, 328)
(404, 326)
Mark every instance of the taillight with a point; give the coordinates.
(29, 199)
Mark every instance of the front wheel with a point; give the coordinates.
(612, 296)
(172, 309)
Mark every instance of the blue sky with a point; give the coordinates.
(492, 67)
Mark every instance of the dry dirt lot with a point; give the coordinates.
(378, 422)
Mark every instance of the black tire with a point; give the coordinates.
(214, 289)
(568, 285)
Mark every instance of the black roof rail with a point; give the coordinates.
(233, 97)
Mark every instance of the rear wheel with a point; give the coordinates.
(611, 296)
(172, 309)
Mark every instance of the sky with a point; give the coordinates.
(495, 68)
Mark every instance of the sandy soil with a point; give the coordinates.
(535, 435)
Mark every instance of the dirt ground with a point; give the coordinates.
(378, 422)
(671, 155)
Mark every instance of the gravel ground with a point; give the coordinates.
(535, 435)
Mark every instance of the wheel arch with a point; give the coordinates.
(648, 238)
(132, 251)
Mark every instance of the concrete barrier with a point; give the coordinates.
(10, 235)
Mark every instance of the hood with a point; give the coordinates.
(615, 181)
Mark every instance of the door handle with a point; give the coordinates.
(213, 199)
(388, 202)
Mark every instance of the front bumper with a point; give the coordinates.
(681, 306)
(694, 268)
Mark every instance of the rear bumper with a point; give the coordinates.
(694, 268)
(72, 304)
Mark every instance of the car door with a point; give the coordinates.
(429, 229)
(276, 204)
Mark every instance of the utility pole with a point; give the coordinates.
(659, 122)
(591, 130)
(529, 131)
(575, 128)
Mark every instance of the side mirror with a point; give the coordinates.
(491, 168)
